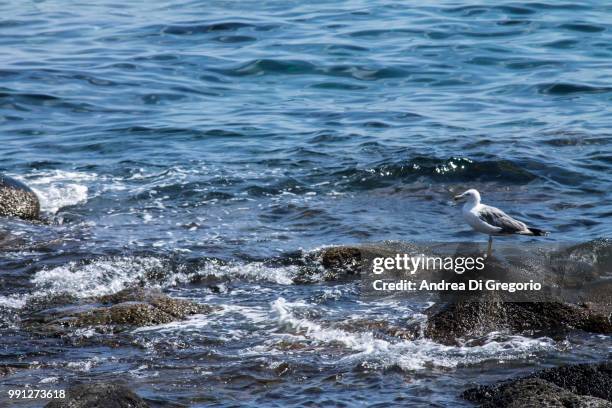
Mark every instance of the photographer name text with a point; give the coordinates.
(406, 285)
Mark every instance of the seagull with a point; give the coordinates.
(490, 220)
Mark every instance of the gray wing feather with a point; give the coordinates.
(497, 218)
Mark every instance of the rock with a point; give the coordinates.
(127, 313)
(464, 319)
(468, 319)
(342, 258)
(123, 310)
(584, 379)
(581, 385)
(99, 395)
(6, 370)
(351, 260)
(18, 200)
(178, 308)
(472, 314)
(532, 392)
(328, 264)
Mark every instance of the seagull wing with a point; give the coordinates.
(499, 219)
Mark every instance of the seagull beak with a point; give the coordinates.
(458, 197)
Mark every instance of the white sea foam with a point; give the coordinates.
(229, 314)
(57, 188)
(110, 275)
(408, 355)
(192, 323)
(83, 366)
(13, 301)
(101, 277)
(256, 271)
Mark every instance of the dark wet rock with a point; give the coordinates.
(347, 259)
(285, 345)
(350, 261)
(123, 310)
(446, 324)
(6, 370)
(18, 200)
(581, 385)
(127, 313)
(469, 319)
(99, 395)
(584, 379)
(175, 307)
(533, 392)
(471, 314)
(329, 264)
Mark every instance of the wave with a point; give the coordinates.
(321, 180)
(454, 169)
(57, 189)
(194, 28)
(405, 354)
(253, 271)
(105, 276)
(565, 88)
(266, 66)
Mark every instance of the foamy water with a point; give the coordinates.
(59, 189)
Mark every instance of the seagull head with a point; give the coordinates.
(471, 195)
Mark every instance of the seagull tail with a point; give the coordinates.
(537, 232)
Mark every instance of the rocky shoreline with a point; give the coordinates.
(453, 321)
(458, 320)
(580, 385)
(124, 310)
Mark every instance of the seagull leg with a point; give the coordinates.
(489, 248)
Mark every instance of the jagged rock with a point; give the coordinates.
(18, 200)
(581, 385)
(584, 379)
(99, 395)
(6, 370)
(124, 309)
(466, 319)
(351, 260)
(342, 258)
(533, 392)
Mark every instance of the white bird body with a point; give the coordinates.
(470, 215)
(490, 220)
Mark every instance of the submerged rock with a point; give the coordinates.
(582, 385)
(18, 200)
(468, 319)
(123, 310)
(380, 329)
(6, 371)
(99, 395)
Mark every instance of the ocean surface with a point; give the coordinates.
(184, 144)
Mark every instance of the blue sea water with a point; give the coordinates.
(161, 134)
